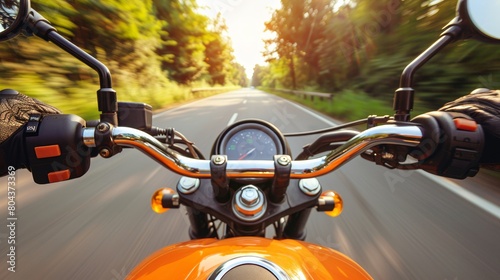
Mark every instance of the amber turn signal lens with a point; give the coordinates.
(330, 197)
(156, 200)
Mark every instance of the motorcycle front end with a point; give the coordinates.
(250, 182)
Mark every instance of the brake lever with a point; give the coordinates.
(326, 142)
(333, 139)
(389, 157)
(374, 120)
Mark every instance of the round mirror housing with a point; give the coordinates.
(13, 14)
(482, 18)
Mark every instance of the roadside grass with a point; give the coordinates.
(349, 105)
(80, 98)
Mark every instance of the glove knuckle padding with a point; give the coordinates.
(483, 107)
(15, 109)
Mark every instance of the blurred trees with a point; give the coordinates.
(182, 51)
(332, 45)
(219, 57)
(298, 27)
(152, 47)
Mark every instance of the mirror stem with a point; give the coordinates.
(403, 97)
(106, 96)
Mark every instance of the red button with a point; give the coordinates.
(47, 151)
(58, 176)
(465, 124)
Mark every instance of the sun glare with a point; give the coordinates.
(245, 21)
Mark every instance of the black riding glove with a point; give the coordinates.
(483, 105)
(15, 109)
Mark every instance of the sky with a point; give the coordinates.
(245, 21)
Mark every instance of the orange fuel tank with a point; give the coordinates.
(254, 258)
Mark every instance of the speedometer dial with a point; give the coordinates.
(250, 144)
(250, 140)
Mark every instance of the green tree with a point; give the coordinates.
(239, 76)
(364, 44)
(183, 50)
(285, 24)
(298, 27)
(257, 76)
(219, 53)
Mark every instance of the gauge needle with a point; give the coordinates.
(245, 155)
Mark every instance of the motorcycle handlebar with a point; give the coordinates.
(403, 135)
(445, 144)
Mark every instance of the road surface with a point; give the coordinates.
(397, 225)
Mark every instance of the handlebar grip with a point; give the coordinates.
(453, 144)
(55, 148)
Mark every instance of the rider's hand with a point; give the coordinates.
(15, 109)
(483, 105)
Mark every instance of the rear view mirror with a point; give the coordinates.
(13, 14)
(482, 17)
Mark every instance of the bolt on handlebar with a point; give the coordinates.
(407, 135)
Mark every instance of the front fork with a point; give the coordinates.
(295, 227)
(199, 224)
(200, 227)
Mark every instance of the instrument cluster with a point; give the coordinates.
(251, 140)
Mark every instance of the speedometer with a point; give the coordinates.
(250, 144)
(250, 140)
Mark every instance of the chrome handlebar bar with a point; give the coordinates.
(410, 135)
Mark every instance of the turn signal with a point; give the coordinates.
(163, 200)
(331, 203)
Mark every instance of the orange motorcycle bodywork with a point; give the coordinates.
(198, 259)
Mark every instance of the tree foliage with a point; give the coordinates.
(219, 58)
(150, 46)
(182, 51)
(333, 45)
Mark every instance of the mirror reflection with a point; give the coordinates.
(484, 15)
(9, 10)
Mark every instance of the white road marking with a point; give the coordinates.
(319, 117)
(157, 169)
(232, 119)
(480, 202)
(244, 101)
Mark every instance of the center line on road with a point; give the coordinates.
(232, 119)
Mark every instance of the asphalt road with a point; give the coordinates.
(397, 225)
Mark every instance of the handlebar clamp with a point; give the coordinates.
(104, 140)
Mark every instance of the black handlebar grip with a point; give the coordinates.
(457, 151)
(55, 148)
